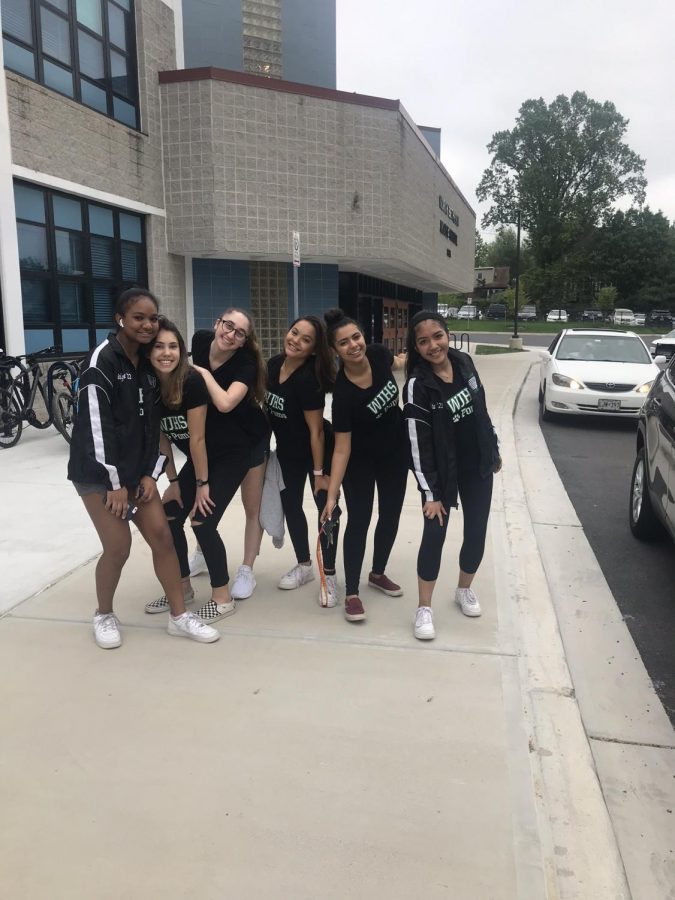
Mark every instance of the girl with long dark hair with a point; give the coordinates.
(115, 462)
(370, 450)
(454, 450)
(237, 436)
(297, 382)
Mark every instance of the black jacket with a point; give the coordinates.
(431, 432)
(116, 435)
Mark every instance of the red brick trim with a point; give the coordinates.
(210, 73)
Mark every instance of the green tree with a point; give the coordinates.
(563, 165)
(481, 249)
(607, 297)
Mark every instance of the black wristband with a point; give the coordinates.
(202, 481)
(171, 480)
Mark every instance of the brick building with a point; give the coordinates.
(119, 166)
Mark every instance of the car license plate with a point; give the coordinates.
(612, 405)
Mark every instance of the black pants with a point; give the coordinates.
(295, 473)
(390, 474)
(225, 476)
(475, 494)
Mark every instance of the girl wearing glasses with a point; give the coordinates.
(297, 382)
(237, 441)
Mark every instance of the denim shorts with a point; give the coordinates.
(83, 488)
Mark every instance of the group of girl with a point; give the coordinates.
(139, 397)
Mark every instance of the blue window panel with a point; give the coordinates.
(29, 203)
(104, 303)
(75, 340)
(130, 228)
(101, 335)
(89, 14)
(38, 339)
(102, 257)
(69, 253)
(35, 300)
(59, 79)
(55, 35)
(131, 262)
(124, 112)
(91, 56)
(67, 213)
(93, 96)
(117, 27)
(101, 220)
(19, 59)
(32, 246)
(72, 302)
(16, 20)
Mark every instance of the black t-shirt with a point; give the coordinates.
(173, 422)
(459, 404)
(287, 403)
(372, 415)
(245, 425)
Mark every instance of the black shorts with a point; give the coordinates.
(259, 452)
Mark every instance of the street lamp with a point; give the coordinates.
(516, 343)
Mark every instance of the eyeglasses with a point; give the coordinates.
(231, 328)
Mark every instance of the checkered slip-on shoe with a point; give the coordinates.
(212, 611)
(162, 605)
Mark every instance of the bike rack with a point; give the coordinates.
(462, 336)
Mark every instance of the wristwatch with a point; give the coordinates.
(202, 482)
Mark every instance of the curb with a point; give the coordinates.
(579, 851)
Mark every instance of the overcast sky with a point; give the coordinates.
(465, 66)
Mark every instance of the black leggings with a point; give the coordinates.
(390, 474)
(295, 472)
(225, 476)
(475, 493)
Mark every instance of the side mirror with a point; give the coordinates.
(660, 361)
(545, 355)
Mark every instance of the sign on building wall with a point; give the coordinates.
(296, 249)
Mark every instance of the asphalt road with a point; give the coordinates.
(594, 458)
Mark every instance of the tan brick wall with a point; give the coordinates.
(245, 166)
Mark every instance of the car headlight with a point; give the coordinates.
(565, 381)
(645, 388)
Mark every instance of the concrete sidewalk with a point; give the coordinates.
(302, 756)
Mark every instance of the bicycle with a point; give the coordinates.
(26, 394)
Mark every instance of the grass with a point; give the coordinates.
(506, 327)
(491, 349)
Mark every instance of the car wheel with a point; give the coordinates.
(643, 521)
(543, 412)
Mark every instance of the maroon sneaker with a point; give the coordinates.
(384, 584)
(354, 611)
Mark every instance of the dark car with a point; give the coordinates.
(659, 318)
(496, 311)
(652, 490)
(592, 315)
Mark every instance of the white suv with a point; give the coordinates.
(623, 317)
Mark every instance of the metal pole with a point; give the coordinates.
(515, 323)
(295, 293)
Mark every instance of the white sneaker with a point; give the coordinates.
(107, 631)
(162, 604)
(197, 562)
(297, 576)
(329, 597)
(467, 602)
(424, 624)
(244, 583)
(189, 626)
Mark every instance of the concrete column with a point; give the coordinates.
(10, 275)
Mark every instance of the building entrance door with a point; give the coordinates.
(394, 324)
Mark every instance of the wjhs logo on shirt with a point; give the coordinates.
(384, 400)
(275, 405)
(460, 404)
(175, 427)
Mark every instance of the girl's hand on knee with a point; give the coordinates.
(203, 502)
(173, 493)
(146, 489)
(434, 509)
(116, 502)
(328, 509)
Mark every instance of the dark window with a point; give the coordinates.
(75, 257)
(84, 49)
